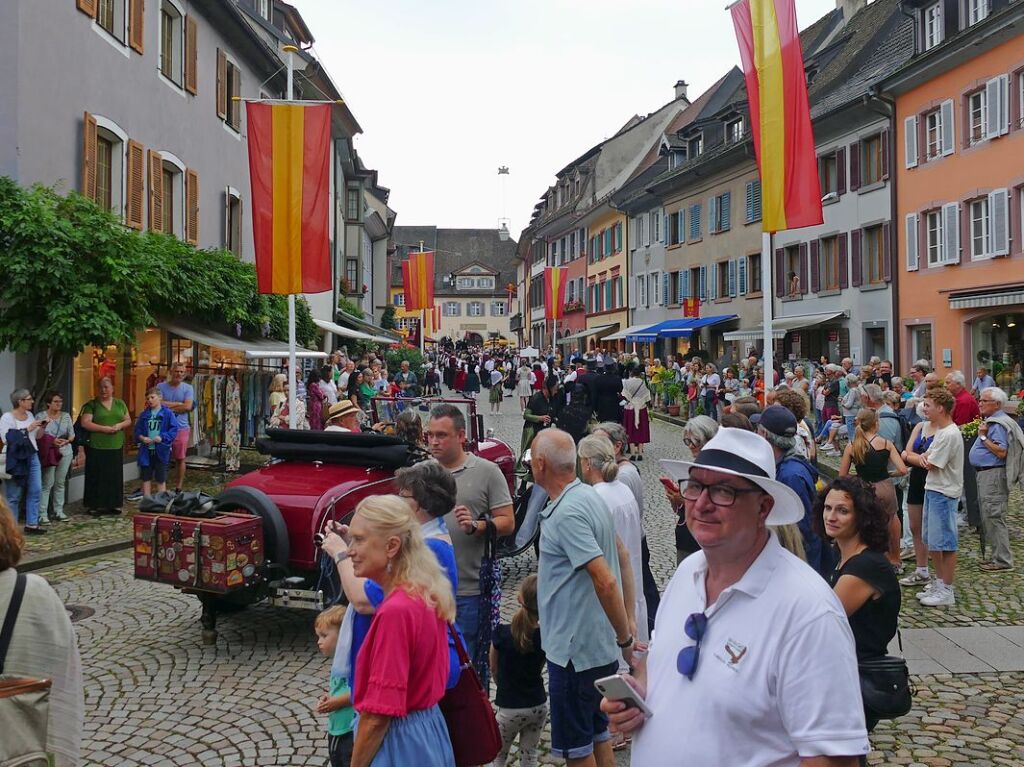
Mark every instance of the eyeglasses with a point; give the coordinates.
(691, 443)
(695, 626)
(720, 495)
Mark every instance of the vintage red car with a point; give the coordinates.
(315, 477)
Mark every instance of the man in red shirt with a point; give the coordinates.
(965, 408)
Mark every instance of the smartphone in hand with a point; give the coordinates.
(670, 484)
(615, 687)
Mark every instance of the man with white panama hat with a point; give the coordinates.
(752, 661)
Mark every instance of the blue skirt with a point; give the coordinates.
(420, 739)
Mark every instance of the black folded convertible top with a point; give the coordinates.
(353, 448)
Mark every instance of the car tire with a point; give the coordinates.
(252, 501)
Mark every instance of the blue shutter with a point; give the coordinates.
(750, 202)
(685, 284)
(664, 289)
(743, 275)
(757, 200)
(702, 283)
(713, 215)
(725, 205)
(681, 226)
(694, 222)
(665, 224)
(732, 278)
(713, 287)
(680, 294)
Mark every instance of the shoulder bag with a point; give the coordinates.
(885, 686)
(24, 702)
(472, 728)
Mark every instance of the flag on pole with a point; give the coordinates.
(290, 172)
(436, 316)
(510, 288)
(418, 281)
(779, 115)
(554, 292)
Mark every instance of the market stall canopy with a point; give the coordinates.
(782, 325)
(627, 334)
(600, 331)
(254, 348)
(680, 327)
(357, 335)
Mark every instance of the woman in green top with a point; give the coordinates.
(540, 412)
(366, 390)
(106, 418)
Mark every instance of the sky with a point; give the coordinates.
(446, 91)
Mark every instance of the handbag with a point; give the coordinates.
(472, 727)
(885, 687)
(24, 702)
(49, 453)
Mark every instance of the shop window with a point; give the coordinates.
(921, 342)
(997, 342)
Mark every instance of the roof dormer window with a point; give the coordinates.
(734, 131)
(695, 146)
(933, 32)
(977, 10)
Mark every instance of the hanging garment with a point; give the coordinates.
(232, 423)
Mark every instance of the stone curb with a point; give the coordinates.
(667, 418)
(45, 561)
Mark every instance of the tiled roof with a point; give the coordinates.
(454, 250)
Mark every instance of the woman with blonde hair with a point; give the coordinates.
(402, 667)
(872, 455)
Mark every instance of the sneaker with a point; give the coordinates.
(915, 579)
(134, 497)
(994, 567)
(931, 586)
(907, 553)
(939, 598)
(29, 530)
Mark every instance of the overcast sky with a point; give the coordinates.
(448, 90)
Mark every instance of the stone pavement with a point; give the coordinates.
(156, 696)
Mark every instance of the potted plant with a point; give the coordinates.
(672, 392)
(1020, 413)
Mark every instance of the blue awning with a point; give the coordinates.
(677, 328)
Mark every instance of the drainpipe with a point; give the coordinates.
(889, 112)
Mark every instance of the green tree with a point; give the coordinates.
(387, 318)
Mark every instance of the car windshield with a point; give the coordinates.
(386, 409)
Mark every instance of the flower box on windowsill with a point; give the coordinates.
(573, 306)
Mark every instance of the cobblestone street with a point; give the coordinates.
(156, 696)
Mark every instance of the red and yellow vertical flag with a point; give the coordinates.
(554, 292)
(436, 316)
(418, 281)
(289, 173)
(780, 118)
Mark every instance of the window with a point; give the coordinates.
(933, 33)
(977, 115)
(933, 133)
(829, 263)
(720, 212)
(104, 172)
(399, 299)
(352, 207)
(229, 91)
(989, 225)
(170, 204)
(933, 227)
(695, 146)
(979, 228)
(452, 309)
(656, 225)
(106, 15)
(873, 255)
(872, 162)
(498, 308)
(921, 342)
(734, 131)
(791, 256)
(828, 174)
(233, 222)
(723, 272)
(1020, 100)
(263, 8)
(476, 309)
(653, 289)
(977, 10)
(352, 274)
(485, 282)
(753, 201)
(676, 158)
(754, 272)
(171, 41)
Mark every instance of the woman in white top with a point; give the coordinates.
(524, 384)
(634, 416)
(21, 419)
(709, 384)
(599, 468)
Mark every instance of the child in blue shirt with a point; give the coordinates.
(337, 704)
(155, 430)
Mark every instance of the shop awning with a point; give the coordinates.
(600, 331)
(782, 325)
(984, 300)
(680, 327)
(626, 334)
(255, 348)
(343, 332)
(383, 335)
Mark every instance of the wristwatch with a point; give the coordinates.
(340, 557)
(627, 643)
(982, 438)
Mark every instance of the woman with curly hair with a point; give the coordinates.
(849, 512)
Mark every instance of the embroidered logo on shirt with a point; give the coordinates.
(734, 654)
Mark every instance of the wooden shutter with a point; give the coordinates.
(857, 258)
(733, 267)
(713, 285)
(191, 207)
(726, 211)
(841, 171)
(887, 252)
(910, 141)
(742, 279)
(88, 7)
(713, 222)
(911, 235)
(855, 166)
(191, 56)
(136, 24)
(999, 222)
(842, 259)
(885, 142)
(947, 129)
(780, 273)
(803, 268)
(89, 156)
(222, 84)
(951, 233)
(156, 191)
(235, 107)
(815, 259)
(135, 204)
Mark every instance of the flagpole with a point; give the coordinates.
(766, 309)
(293, 385)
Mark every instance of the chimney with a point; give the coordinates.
(681, 85)
(849, 8)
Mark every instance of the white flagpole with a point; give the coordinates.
(293, 384)
(423, 317)
(766, 308)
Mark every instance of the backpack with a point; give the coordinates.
(905, 426)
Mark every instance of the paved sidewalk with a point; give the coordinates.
(973, 650)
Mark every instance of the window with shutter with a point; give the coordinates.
(703, 283)
(222, 84)
(999, 222)
(750, 202)
(843, 261)
(156, 191)
(684, 283)
(89, 156)
(191, 56)
(234, 107)
(910, 142)
(732, 278)
(951, 233)
(911, 242)
(695, 222)
(191, 207)
(947, 127)
(136, 21)
(741, 269)
(725, 211)
(713, 282)
(681, 226)
(712, 215)
(665, 293)
(88, 7)
(996, 96)
(136, 186)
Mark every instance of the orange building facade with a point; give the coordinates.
(960, 189)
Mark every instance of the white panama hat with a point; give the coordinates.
(743, 453)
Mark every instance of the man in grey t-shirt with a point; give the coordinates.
(482, 494)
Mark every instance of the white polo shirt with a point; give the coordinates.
(777, 676)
